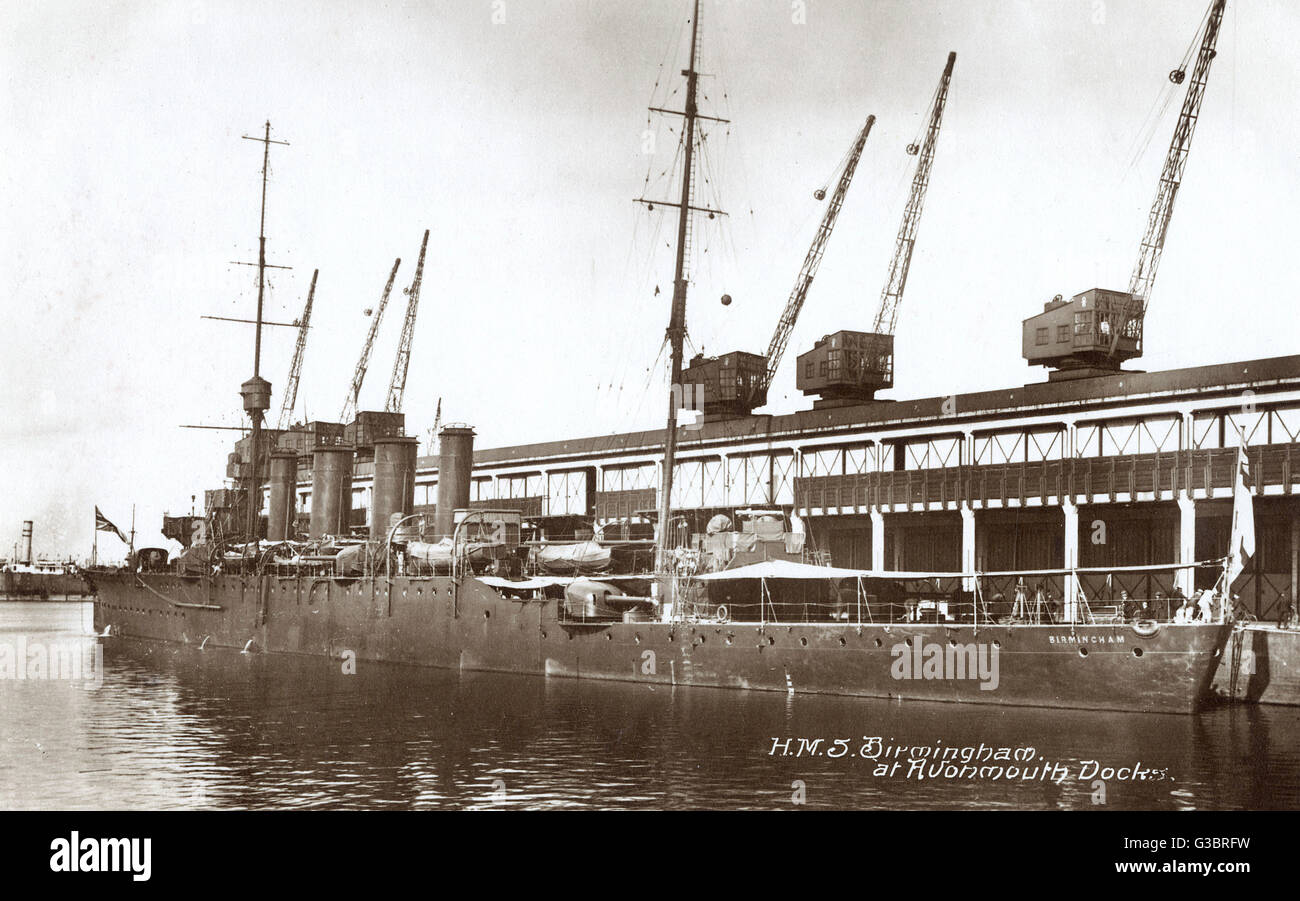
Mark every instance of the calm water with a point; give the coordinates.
(181, 728)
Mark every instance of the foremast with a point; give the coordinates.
(677, 319)
(256, 392)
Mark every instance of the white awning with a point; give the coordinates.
(787, 569)
(523, 584)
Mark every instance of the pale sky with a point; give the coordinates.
(515, 131)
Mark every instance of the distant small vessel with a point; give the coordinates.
(42, 580)
(27, 579)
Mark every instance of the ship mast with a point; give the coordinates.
(256, 392)
(677, 320)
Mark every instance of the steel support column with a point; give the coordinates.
(877, 539)
(1071, 600)
(1185, 579)
(967, 545)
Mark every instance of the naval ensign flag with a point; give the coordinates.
(1242, 545)
(103, 525)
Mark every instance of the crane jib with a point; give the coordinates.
(896, 281)
(1127, 321)
(402, 361)
(299, 350)
(781, 337)
(359, 375)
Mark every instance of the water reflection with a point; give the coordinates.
(173, 727)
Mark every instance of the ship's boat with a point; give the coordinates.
(570, 559)
(436, 554)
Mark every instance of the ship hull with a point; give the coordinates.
(1261, 665)
(467, 625)
(42, 585)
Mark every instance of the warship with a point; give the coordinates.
(731, 600)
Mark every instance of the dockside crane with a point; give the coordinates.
(397, 384)
(736, 383)
(850, 366)
(359, 375)
(295, 367)
(1093, 333)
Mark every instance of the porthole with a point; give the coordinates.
(1137, 652)
(879, 643)
(487, 614)
(804, 642)
(1083, 652)
(843, 641)
(771, 640)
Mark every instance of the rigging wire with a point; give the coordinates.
(1165, 96)
(653, 183)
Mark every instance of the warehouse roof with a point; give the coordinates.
(1099, 392)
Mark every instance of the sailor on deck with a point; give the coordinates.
(1020, 606)
(1205, 604)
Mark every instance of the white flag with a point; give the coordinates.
(1241, 546)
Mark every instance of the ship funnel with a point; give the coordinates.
(455, 463)
(394, 483)
(281, 508)
(331, 490)
(27, 542)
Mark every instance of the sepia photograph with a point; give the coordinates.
(881, 406)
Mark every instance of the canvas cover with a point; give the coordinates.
(567, 559)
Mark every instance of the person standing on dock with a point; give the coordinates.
(1288, 619)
